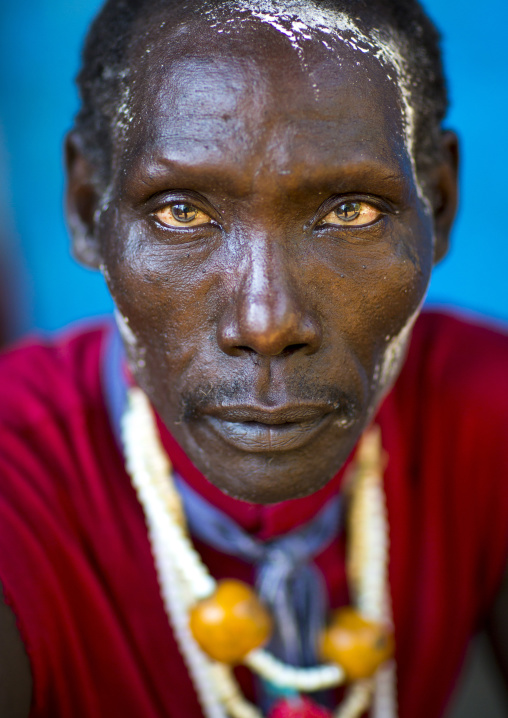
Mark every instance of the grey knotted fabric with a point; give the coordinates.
(287, 582)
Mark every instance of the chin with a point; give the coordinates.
(270, 486)
(269, 478)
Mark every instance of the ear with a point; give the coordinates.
(445, 193)
(81, 201)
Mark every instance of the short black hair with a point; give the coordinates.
(103, 79)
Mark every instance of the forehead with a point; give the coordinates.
(256, 87)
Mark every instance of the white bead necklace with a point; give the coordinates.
(184, 579)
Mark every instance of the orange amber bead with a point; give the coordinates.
(231, 623)
(358, 645)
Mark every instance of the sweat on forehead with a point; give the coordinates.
(397, 32)
(301, 24)
(207, 92)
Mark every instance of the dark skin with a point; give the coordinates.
(261, 328)
(265, 242)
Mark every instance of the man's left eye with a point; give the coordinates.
(352, 213)
(181, 214)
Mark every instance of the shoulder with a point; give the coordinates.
(452, 409)
(450, 406)
(43, 377)
(459, 360)
(467, 344)
(53, 423)
(47, 386)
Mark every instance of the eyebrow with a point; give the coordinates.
(366, 175)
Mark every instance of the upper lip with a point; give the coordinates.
(285, 414)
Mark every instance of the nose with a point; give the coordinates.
(268, 313)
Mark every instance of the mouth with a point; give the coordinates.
(268, 430)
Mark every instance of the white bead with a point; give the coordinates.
(300, 679)
(384, 705)
(357, 700)
(230, 694)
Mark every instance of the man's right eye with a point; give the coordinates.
(182, 215)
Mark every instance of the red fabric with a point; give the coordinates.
(75, 561)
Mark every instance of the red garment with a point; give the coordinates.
(75, 560)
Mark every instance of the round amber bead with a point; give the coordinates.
(231, 623)
(358, 645)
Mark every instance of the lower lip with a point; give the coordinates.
(267, 438)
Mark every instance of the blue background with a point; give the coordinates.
(39, 46)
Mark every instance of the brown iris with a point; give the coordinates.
(184, 212)
(348, 211)
(181, 213)
(354, 213)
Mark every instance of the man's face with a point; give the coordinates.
(266, 247)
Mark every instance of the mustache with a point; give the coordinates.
(208, 394)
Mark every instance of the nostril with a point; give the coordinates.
(292, 349)
(287, 351)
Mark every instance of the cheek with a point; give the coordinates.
(375, 290)
(163, 298)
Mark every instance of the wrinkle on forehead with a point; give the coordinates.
(202, 99)
(301, 21)
(192, 83)
(200, 106)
